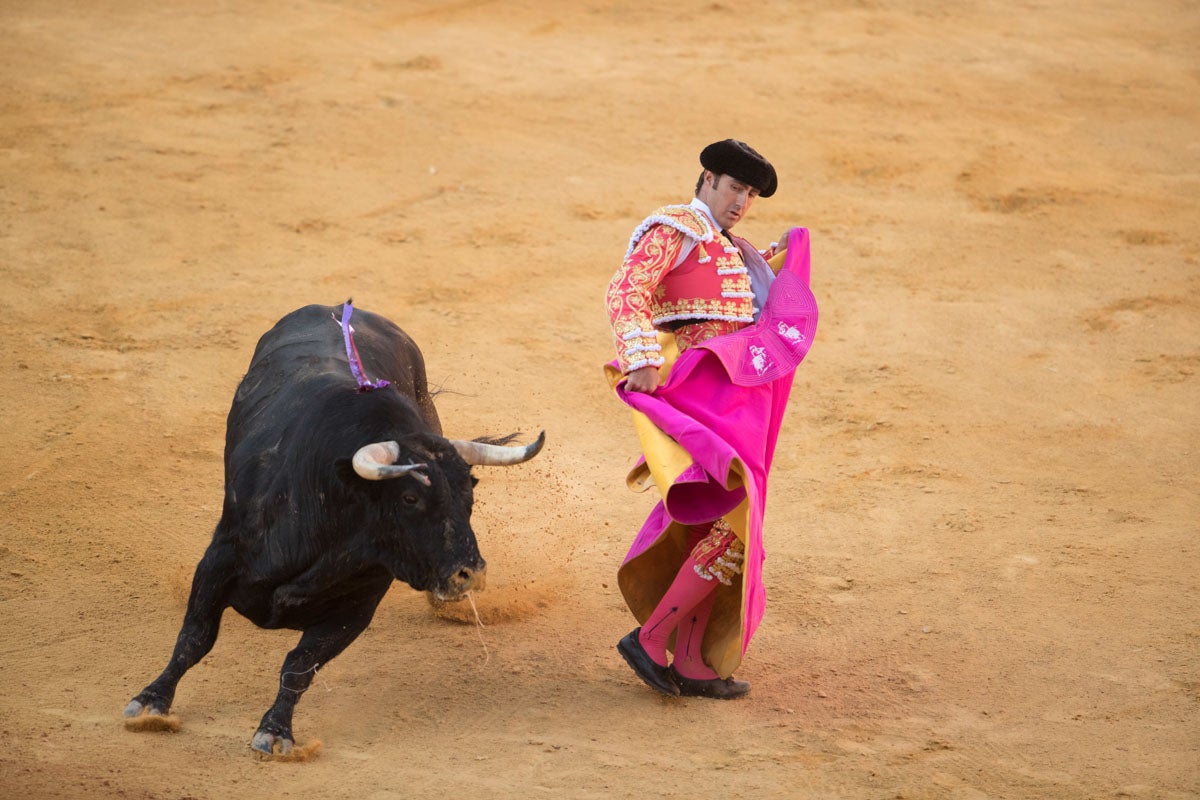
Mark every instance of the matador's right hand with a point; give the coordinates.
(644, 380)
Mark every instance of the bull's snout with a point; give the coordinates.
(466, 579)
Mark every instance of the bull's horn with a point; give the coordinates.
(377, 462)
(483, 454)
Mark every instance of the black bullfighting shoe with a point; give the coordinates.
(717, 688)
(639, 660)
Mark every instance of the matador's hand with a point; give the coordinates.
(778, 246)
(644, 380)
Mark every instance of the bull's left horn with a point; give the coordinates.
(482, 454)
(377, 462)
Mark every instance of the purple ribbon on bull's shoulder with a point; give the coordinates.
(778, 341)
(356, 367)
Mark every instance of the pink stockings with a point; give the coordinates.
(714, 557)
(688, 638)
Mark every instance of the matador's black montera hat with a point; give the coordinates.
(743, 162)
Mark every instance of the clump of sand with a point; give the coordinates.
(153, 722)
(300, 752)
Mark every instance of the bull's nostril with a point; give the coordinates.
(464, 575)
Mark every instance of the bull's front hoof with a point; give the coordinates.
(270, 747)
(142, 717)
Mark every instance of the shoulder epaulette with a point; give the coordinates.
(683, 218)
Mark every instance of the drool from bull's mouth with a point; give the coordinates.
(479, 628)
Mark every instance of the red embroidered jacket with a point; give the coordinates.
(706, 294)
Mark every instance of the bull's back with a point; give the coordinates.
(302, 359)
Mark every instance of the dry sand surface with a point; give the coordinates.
(982, 531)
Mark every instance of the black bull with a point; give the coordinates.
(332, 491)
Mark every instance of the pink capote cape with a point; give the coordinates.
(708, 435)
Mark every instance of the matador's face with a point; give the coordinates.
(728, 198)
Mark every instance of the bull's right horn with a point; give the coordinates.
(483, 454)
(377, 462)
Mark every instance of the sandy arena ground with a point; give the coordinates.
(983, 527)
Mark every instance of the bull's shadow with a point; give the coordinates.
(335, 485)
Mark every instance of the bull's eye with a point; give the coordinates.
(410, 499)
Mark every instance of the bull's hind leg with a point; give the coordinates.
(319, 644)
(209, 597)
